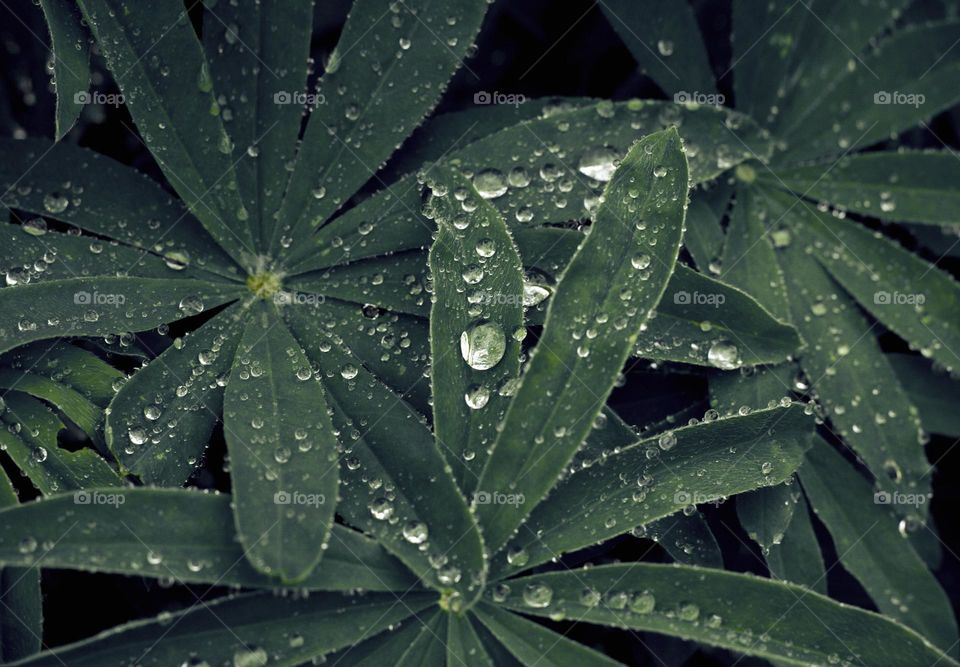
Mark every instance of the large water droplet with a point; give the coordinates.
(483, 345)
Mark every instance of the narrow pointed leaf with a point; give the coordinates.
(258, 54)
(657, 477)
(106, 198)
(173, 533)
(246, 629)
(703, 237)
(388, 446)
(534, 645)
(766, 513)
(902, 186)
(21, 614)
(29, 437)
(930, 391)
(160, 421)
(854, 381)
(61, 362)
(80, 410)
(373, 98)
(591, 328)
(798, 559)
(748, 256)
(544, 170)
(914, 299)
(903, 81)
(476, 314)
(159, 64)
(666, 43)
(686, 537)
(100, 305)
(283, 456)
(71, 61)
(739, 612)
(464, 646)
(864, 529)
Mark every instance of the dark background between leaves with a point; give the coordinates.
(530, 47)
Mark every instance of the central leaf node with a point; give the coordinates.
(264, 284)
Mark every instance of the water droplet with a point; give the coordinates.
(537, 596)
(665, 47)
(599, 163)
(415, 532)
(483, 345)
(55, 202)
(35, 227)
(724, 355)
(476, 397)
(348, 371)
(689, 612)
(381, 508)
(490, 183)
(643, 603)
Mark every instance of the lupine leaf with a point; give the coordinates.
(21, 614)
(739, 612)
(173, 533)
(71, 55)
(591, 328)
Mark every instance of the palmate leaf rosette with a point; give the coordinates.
(396, 621)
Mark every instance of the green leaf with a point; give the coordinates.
(533, 644)
(763, 387)
(547, 170)
(748, 256)
(905, 80)
(384, 648)
(71, 61)
(424, 505)
(739, 612)
(159, 64)
(665, 40)
(864, 529)
(373, 98)
(797, 559)
(99, 306)
(708, 322)
(73, 404)
(932, 392)
(258, 54)
(476, 315)
(105, 198)
(67, 364)
(658, 476)
(428, 648)
(29, 437)
(283, 450)
(686, 537)
(244, 630)
(856, 386)
(464, 646)
(21, 614)
(703, 237)
(696, 313)
(902, 186)
(591, 328)
(766, 513)
(160, 421)
(913, 298)
(173, 533)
